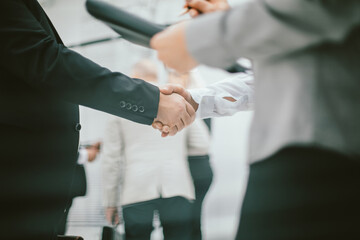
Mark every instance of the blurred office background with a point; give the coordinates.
(229, 136)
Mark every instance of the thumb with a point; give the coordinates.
(172, 88)
(167, 90)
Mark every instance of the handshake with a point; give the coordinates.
(176, 110)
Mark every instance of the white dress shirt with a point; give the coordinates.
(139, 165)
(211, 98)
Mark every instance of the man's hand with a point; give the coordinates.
(93, 151)
(168, 90)
(112, 216)
(171, 47)
(206, 6)
(174, 112)
(177, 88)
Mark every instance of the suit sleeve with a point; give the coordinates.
(31, 55)
(261, 29)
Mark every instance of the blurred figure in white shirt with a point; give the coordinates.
(143, 173)
(199, 164)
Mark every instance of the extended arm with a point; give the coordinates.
(258, 30)
(225, 98)
(34, 57)
(267, 28)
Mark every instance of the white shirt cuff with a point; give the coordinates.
(83, 156)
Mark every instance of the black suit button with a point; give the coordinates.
(122, 104)
(78, 127)
(135, 108)
(128, 106)
(141, 109)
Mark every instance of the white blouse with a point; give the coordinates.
(140, 165)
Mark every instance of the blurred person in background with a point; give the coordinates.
(305, 137)
(42, 85)
(151, 172)
(199, 164)
(87, 154)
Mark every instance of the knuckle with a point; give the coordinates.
(180, 107)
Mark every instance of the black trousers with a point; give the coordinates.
(175, 218)
(202, 176)
(302, 194)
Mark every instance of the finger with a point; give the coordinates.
(180, 125)
(194, 13)
(189, 115)
(164, 134)
(167, 89)
(166, 129)
(200, 5)
(171, 88)
(177, 88)
(157, 125)
(173, 130)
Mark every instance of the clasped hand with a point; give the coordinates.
(176, 110)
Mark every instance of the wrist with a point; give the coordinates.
(194, 104)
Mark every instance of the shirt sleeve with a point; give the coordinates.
(113, 163)
(211, 99)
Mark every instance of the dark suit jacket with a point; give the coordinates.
(79, 184)
(41, 85)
